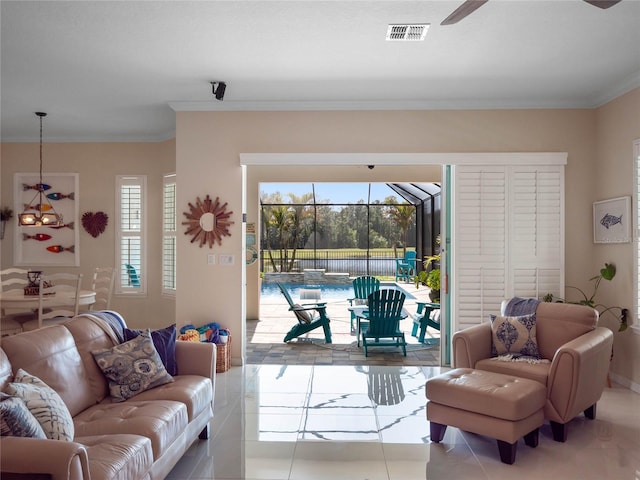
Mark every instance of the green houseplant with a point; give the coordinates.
(6, 214)
(607, 273)
(430, 278)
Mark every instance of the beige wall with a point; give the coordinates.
(208, 146)
(97, 165)
(206, 153)
(618, 125)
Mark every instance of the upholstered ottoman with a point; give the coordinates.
(491, 404)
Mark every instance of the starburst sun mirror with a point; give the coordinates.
(207, 221)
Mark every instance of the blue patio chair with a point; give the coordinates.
(406, 267)
(383, 321)
(134, 279)
(307, 320)
(427, 315)
(362, 287)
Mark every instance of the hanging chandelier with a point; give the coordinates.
(40, 212)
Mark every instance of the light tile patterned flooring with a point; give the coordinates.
(265, 338)
(319, 422)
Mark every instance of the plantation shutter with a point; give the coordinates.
(537, 263)
(479, 262)
(169, 241)
(130, 240)
(508, 237)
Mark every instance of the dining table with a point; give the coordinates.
(17, 300)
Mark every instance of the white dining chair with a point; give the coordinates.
(58, 299)
(11, 321)
(103, 281)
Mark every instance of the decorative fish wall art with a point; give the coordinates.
(40, 207)
(60, 249)
(70, 225)
(61, 196)
(40, 187)
(610, 220)
(41, 237)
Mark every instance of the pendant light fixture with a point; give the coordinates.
(39, 212)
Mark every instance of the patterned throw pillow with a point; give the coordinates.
(164, 340)
(514, 336)
(132, 367)
(16, 420)
(45, 404)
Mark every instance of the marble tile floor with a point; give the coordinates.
(339, 422)
(265, 338)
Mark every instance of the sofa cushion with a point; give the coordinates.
(119, 456)
(164, 340)
(194, 391)
(514, 335)
(90, 336)
(559, 323)
(132, 367)
(162, 422)
(51, 355)
(533, 371)
(45, 405)
(16, 419)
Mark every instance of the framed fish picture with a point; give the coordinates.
(612, 220)
(44, 245)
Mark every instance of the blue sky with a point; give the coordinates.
(332, 192)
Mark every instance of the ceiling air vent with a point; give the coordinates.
(407, 32)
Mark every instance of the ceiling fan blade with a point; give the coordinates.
(463, 10)
(603, 3)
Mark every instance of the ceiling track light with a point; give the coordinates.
(42, 213)
(219, 91)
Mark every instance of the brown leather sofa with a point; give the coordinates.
(140, 438)
(578, 354)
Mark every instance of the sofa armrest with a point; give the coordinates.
(471, 345)
(60, 459)
(196, 358)
(578, 374)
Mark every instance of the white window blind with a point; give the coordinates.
(507, 237)
(131, 245)
(536, 238)
(479, 238)
(169, 227)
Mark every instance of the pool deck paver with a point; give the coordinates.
(265, 337)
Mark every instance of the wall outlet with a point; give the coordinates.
(227, 259)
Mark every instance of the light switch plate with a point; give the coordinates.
(226, 259)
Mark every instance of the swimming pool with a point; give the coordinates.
(328, 293)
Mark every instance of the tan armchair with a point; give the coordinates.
(578, 354)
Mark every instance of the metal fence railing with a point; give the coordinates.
(338, 261)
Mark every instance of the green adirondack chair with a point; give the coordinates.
(406, 267)
(362, 287)
(383, 320)
(307, 319)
